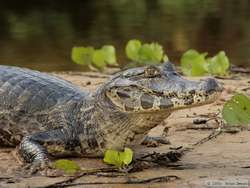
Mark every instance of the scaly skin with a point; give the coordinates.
(48, 116)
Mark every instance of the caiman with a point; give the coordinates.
(46, 116)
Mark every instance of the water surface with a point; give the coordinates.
(40, 34)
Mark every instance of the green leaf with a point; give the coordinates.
(126, 156)
(112, 157)
(132, 49)
(165, 58)
(146, 53)
(118, 158)
(219, 64)
(152, 53)
(82, 55)
(237, 110)
(110, 56)
(193, 63)
(68, 166)
(99, 59)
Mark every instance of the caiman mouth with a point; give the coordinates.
(152, 100)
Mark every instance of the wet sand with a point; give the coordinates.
(221, 159)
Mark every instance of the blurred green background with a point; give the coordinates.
(40, 34)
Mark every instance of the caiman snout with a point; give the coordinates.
(210, 85)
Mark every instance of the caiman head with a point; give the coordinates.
(158, 88)
(136, 100)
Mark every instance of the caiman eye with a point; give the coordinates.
(151, 71)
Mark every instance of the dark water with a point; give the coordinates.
(40, 34)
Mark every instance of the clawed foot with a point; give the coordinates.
(151, 141)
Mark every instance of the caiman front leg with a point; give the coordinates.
(39, 147)
(156, 137)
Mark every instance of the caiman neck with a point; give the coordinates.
(118, 128)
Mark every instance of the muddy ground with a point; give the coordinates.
(222, 160)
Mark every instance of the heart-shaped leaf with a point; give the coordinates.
(68, 166)
(193, 63)
(109, 52)
(152, 53)
(237, 110)
(219, 64)
(132, 49)
(99, 59)
(118, 158)
(148, 53)
(82, 55)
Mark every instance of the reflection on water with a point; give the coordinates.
(40, 34)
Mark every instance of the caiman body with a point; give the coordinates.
(47, 116)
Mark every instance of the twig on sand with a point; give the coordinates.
(245, 167)
(222, 128)
(168, 157)
(213, 134)
(87, 74)
(236, 69)
(129, 181)
(4, 178)
(245, 89)
(210, 116)
(79, 175)
(200, 121)
(225, 77)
